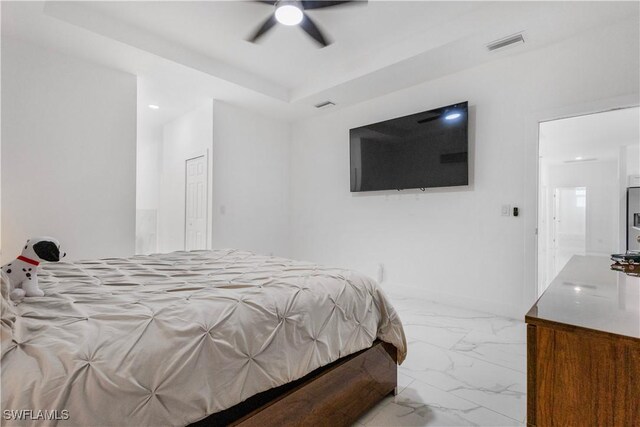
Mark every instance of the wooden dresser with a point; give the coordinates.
(583, 348)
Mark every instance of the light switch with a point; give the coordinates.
(506, 210)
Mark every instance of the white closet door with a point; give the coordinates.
(196, 204)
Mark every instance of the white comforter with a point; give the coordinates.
(169, 339)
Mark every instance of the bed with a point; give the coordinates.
(171, 339)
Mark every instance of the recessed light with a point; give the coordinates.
(580, 159)
(577, 289)
(154, 107)
(452, 116)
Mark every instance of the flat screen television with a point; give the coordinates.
(422, 150)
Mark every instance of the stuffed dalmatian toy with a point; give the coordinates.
(22, 272)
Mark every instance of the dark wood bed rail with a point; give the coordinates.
(334, 395)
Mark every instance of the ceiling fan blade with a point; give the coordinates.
(312, 29)
(319, 4)
(266, 26)
(272, 2)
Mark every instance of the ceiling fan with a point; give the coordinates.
(292, 12)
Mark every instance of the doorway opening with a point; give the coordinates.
(569, 231)
(174, 132)
(586, 165)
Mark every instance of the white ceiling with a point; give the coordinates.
(184, 52)
(286, 56)
(594, 136)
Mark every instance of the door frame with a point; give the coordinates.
(532, 177)
(205, 156)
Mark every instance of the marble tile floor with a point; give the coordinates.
(463, 368)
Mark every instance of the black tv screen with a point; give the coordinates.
(423, 150)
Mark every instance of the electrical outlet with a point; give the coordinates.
(506, 210)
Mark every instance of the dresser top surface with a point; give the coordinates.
(588, 294)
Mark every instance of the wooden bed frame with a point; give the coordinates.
(334, 395)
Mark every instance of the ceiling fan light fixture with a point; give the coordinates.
(294, 12)
(289, 14)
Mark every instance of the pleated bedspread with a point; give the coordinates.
(169, 339)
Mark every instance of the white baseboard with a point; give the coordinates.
(485, 306)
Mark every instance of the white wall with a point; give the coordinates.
(454, 244)
(188, 136)
(1, 253)
(250, 181)
(148, 167)
(633, 163)
(149, 149)
(68, 153)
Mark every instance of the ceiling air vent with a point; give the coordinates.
(325, 104)
(507, 41)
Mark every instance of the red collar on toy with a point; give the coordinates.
(28, 260)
